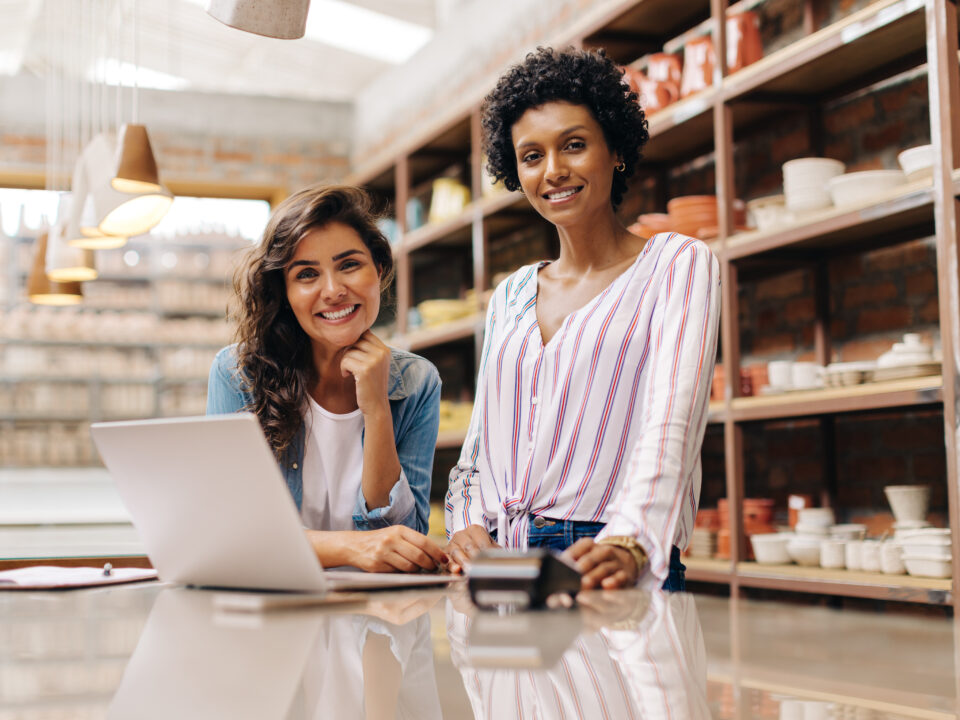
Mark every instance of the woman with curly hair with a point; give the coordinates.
(595, 374)
(353, 423)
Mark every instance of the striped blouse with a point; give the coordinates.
(604, 423)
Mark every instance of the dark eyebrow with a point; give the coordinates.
(564, 133)
(310, 263)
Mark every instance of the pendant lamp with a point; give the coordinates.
(40, 289)
(82, 228)
(66, 263)
(283, 19)
(119, 213)
(136, 167)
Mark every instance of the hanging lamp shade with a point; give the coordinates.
(82, 227)
(283, 19)
(40, 289)
(136, 167)
(66, 263)
(118, 213)
(89, 235)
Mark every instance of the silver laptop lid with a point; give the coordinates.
(209, 502)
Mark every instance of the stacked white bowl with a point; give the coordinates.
(813, 527)
(926, 551)
(703, 543)
(805, 182)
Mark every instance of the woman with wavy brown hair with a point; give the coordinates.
(353, 423)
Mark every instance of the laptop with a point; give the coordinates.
(213, 510)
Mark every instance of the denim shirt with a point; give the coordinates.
(414, 395)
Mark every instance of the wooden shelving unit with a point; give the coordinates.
(879, 41)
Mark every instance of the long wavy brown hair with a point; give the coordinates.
(274, 354)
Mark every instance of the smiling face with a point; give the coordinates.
(564, 164)
(333, 286)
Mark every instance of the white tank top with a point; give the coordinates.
(332, 468)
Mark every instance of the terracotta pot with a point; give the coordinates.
(744, 45)
(656, 95)
(698, 63)
(665, 67)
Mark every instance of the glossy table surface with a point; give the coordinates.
(157, 651)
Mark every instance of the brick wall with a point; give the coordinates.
(271, 160)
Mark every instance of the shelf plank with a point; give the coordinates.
(458, 229)
(429, 337)
(881, 33)
(708, 570)
(868, 396)
(907, 206)
(682, 128)
(451, 439)
(849, 583)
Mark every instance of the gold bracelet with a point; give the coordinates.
(629, 544)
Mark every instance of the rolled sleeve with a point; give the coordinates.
(400, 509)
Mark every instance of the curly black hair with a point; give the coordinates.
(578, 77)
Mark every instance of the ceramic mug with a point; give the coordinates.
(698, 62)
(852, 553)
(780, 373)
(665, 67)
(744, 45)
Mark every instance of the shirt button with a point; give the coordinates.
(534, 400)
(294, 466)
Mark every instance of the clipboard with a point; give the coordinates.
(49, 577)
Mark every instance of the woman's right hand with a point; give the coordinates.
(465, 544)
(391, 549)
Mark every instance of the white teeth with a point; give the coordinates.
(339, 314)
(562, 194)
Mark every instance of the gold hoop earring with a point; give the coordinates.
(621, 166)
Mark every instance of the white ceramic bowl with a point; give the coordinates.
(925, 533)
(852, 554)
(891, 559)
(813, 531)
(862, 187)
(768, 212)
(811, 168)
(804, 551)
(770, 548)
(822, 517)
(925, 566)
(917, 162)
(870, 556)
(848, 531)
(833, 553)
(908, 502)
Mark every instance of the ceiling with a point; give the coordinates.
(180, 46)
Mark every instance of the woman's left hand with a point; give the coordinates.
(368, 360)
(606, 566)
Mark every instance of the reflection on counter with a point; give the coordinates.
(623, 655)
(193, 661)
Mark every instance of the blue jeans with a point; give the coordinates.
(560, 534)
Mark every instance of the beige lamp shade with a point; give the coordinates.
(40, 290)
(284, 19)
(121, 214)
(89, 235)
(136, 167)
(65, 263)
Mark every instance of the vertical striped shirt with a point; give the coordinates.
(605, 421)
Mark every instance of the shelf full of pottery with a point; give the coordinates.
(911, 357)
(914, 548)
